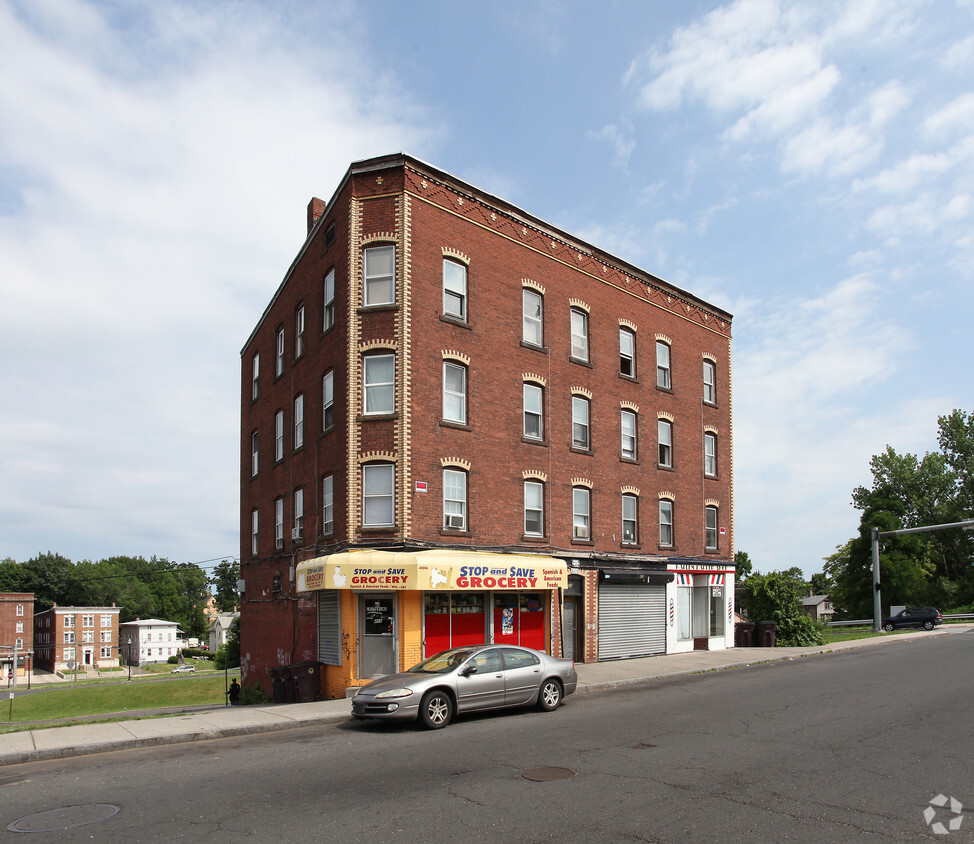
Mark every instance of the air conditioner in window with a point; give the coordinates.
(297, 533)
(453, 521)
(279, 542)
(581, 532)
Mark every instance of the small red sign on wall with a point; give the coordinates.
(422, 486)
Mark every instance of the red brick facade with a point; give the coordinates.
(430, 217)
(16, 629)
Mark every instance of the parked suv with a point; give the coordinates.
(925, 617)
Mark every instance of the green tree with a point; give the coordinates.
(225, 577)
(228, 654)
(744, 568)
(820, 583)
(776, 597)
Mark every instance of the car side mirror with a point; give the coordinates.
(468, 670)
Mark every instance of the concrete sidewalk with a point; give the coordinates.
(80, 739)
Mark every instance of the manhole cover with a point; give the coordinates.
(66, 818)
(548, 774)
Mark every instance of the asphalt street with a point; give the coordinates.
(847, 746)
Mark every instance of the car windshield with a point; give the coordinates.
(443, 662)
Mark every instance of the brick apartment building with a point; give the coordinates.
(16, 632)
(82, 636)
(460, 423)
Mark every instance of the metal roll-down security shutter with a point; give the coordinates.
(632, 620)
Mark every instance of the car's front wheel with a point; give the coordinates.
(928, 625)
(888, 628)
(549, 696)
(436, 710)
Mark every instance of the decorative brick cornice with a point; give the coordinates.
(453, 354)
(377, 457)
(379, 237)
(372, 345)
(450, 252)
(458, 462)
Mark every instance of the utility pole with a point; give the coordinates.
(876, 534)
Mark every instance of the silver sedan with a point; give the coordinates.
(468, 679)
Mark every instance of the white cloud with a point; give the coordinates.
(156, 190)
(620, 141)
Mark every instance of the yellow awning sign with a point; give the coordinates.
(438, 569)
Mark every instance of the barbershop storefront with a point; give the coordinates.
(379, 612)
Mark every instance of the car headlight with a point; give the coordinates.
(394, 693)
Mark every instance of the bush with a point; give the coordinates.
(173, 660)
(254, 695)
(198, 653)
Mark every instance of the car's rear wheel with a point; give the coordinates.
(888, 628)
(549, 695)
(436, 710)
(928, 625)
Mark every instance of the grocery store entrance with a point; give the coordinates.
(377, 621)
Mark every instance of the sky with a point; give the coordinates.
(806, 166)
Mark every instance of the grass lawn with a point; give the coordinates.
(68, 699)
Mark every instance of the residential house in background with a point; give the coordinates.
(148, 640)
(460, 423)
(82, 636)
(16, 632)
(220, 629)
(819, 607)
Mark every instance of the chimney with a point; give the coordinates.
(315, 209)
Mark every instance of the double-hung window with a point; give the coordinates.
(533, 508)
(253, 454)
(627, 352)
(255, 371)
(663, 366)
(710, 454)
(328, 505)
(279, 435)
(581, 429)
(299, 332)
(454, 289)
(581, 513)
(328, 318)
(665, 428)
(327, 401)
(298, 513)
(454, 392)
(629, 435)
(579, 323)
(378, 494)
(665, 522)
(380, 275)
(380, 384)
(710, 528)
(279, 523)
(709, 382)
(454, 499)
(253, 533)
(279, 357)
(298, 421)
(629, 521)
(532, 308)
(533, 411)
